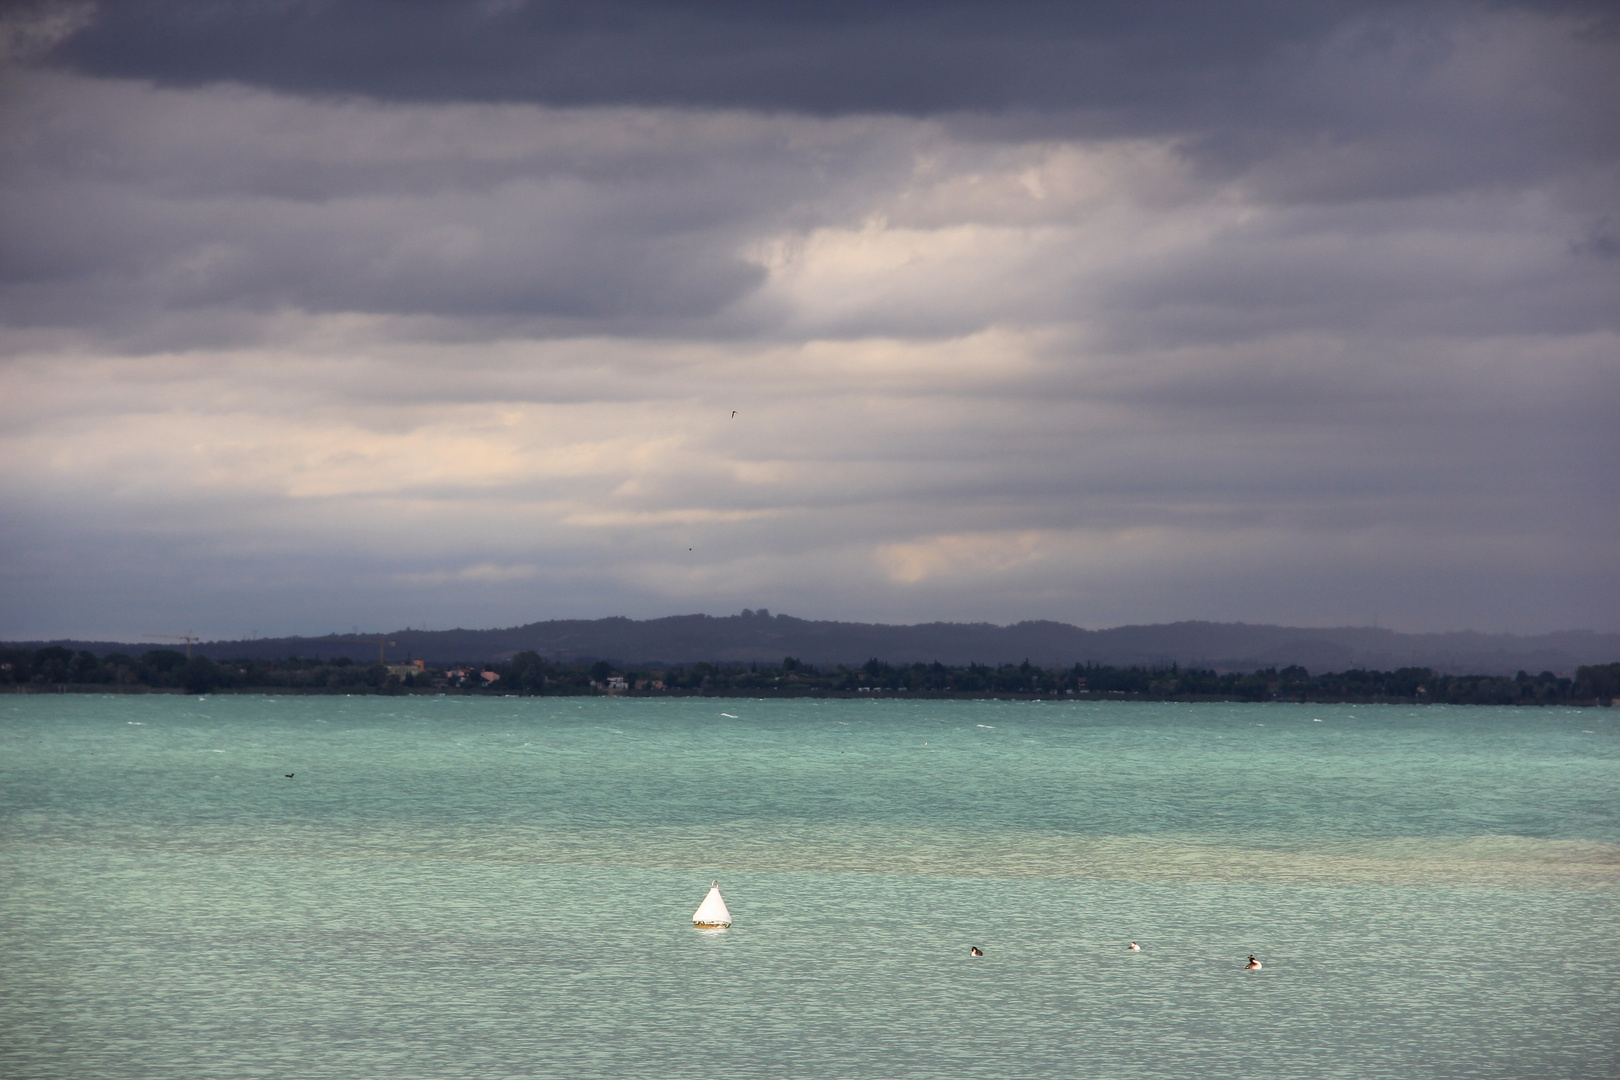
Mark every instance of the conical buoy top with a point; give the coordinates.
(712, 913)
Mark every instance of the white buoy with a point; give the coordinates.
(712, 914)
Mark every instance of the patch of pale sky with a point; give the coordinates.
(483, 573)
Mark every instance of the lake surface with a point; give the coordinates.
(459, 887)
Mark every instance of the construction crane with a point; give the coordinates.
(187, 638)
(380, 643)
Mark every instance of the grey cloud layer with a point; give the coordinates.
(130, 199)
(128, 203)
(1275, 312)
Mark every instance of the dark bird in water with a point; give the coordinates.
(975, 951)
(289, 776)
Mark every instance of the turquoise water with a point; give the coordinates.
(454, 887)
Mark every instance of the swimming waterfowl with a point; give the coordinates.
(975, 951)
(1253, 964)
(1134, 947)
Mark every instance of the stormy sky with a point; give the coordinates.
(316, 315)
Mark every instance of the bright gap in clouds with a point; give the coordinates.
(288, 365)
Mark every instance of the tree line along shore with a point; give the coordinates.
(55, 669)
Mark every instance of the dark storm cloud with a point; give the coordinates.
(825, 57)
(1148, 64)
(1345, 99)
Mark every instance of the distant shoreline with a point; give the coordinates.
(55, 669)
(767, 695)
(760, 637)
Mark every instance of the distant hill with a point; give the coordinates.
(761, 636)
